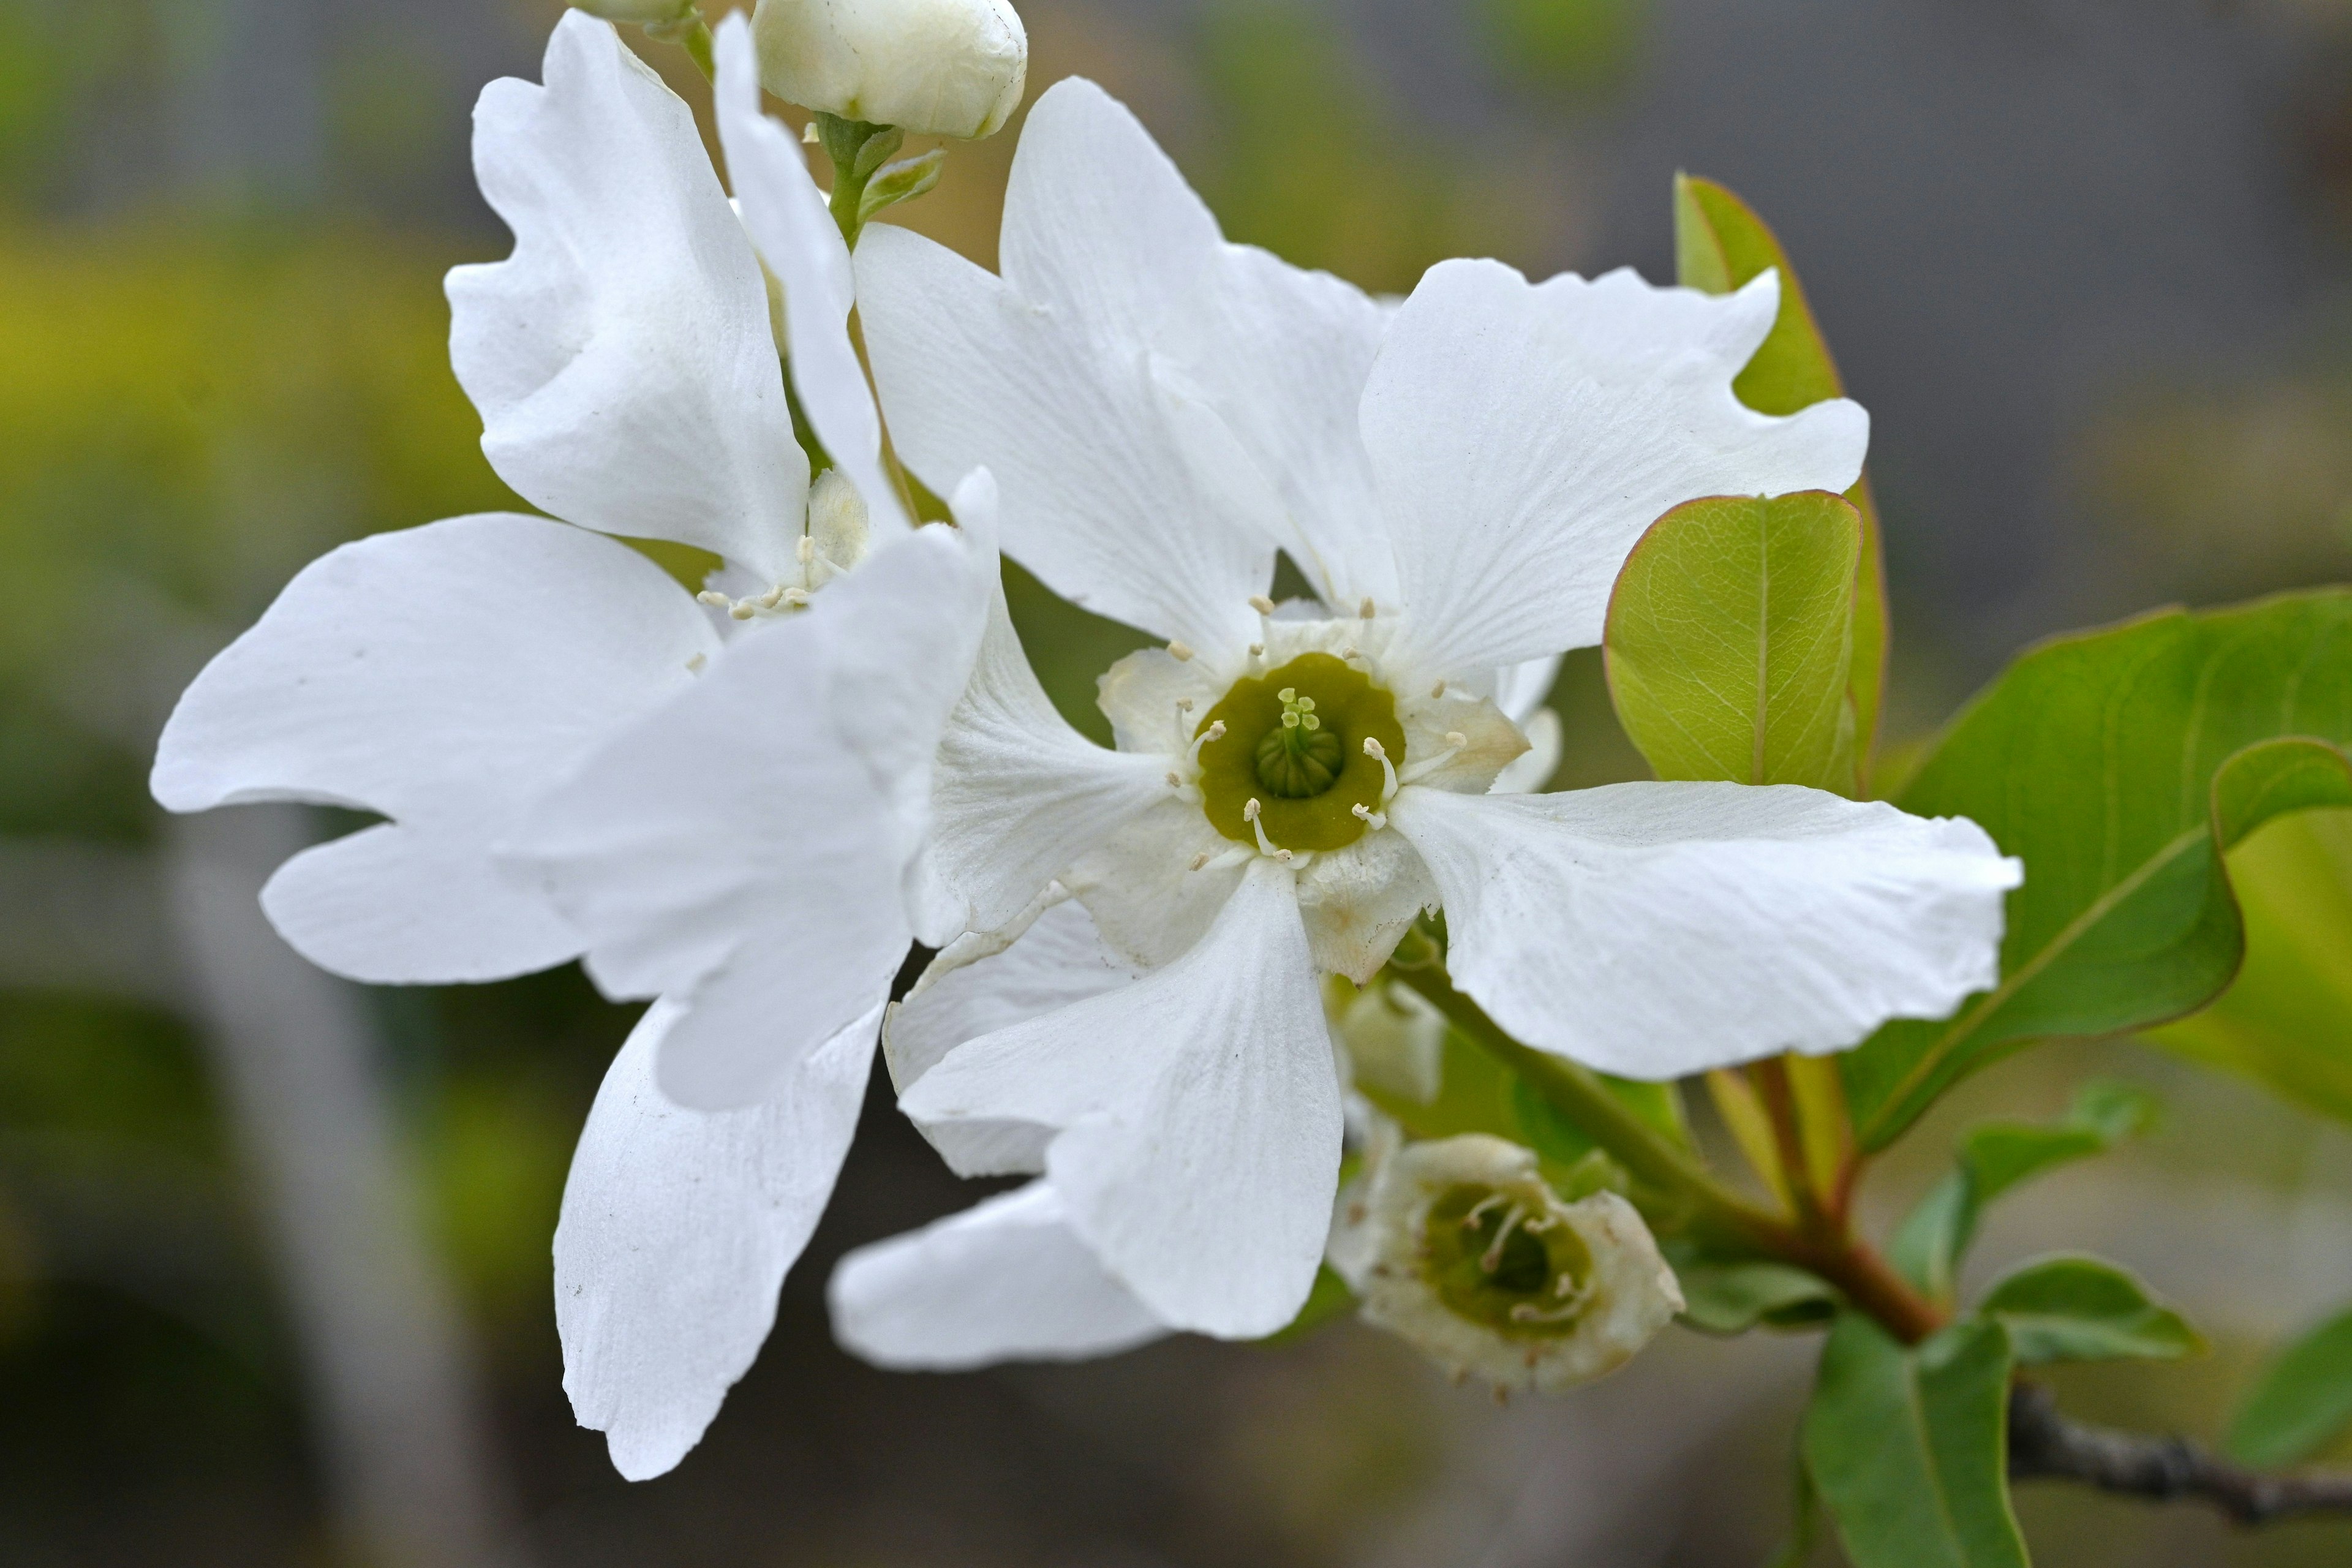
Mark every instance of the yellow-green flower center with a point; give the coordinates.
(1506, 1260)
(1294, 741)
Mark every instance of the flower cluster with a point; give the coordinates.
(745, 798)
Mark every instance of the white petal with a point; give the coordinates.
(744, 849)
(1140, 885)
(1359, 902)
(1100, 499)
(677, 1231)
(1525, 434)
(1060, 958)
(443, 676)
(789, 222)
(1006, 1280)
(1533, 768)
(1520, 690)
(1195, 1117)
(1019, 795)
(621, 357)
(1654, 930)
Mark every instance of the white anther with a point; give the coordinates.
(1179, 652)
(1261, 604)
(1175, 778)
(716, 600)
(1365, 609)
(1199, 860)
(694, 666)
(771, 598)
(1437, 690)
(806, 549)
(744, 610)
(1250, 813)
(1184, 705)
(1257, 650)
(1456, 739)
(809, 134)
(1215, 732)
(1379, 754)
(1236, 856)
(1370, 818)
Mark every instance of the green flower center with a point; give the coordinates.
(1294, 741)
(1506, 1262)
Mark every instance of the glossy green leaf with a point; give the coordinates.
(2121, 765)
(1719, 245)
(1909, 1448)
(2302, 1401)
(2083, 1308)
(1733, 1298)
(2284, 1021)
(1996, 1156)
(1730, 636)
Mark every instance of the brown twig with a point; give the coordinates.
(2045, 1444)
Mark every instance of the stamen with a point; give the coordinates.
(1265, 846)
(1261, 604)
(744, 610)
(1492, 1259)
(1437, 690)
(1379, 754)
(1365, 609)
(1215, 732)
(1236, 856)
(806, 549)
(1370, 818)
(716, 600)
(694, 666)
(797, 598)
(1179, 652)
(1202, 857)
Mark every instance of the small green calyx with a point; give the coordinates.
(1512, 1265)
(1294, 741)
(1298, 758)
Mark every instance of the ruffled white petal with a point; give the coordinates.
(1141, 887)
(677, 1231)
(1524, 436)
(443, 676)
(1020, 795)
(1533, 768)
(1100, 498)
(789, 222)
(1100, 229)
(621, 357)
(1061, 958)
(746, 849)
(1006, 1280)
(1654, 930)
(1359, 902)
(1192, 1118)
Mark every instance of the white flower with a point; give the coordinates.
(506, 683)
(945, 68)
(1468, 1255)
(1461, 482)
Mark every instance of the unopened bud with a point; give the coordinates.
(941, 68)
(836, 525)
(645, 13)
(1476, 1262)
(1396, 1040)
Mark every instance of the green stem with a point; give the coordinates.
(691, 34)
(1835, 1254)
(855, 164)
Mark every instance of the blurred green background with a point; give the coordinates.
(2088, 262)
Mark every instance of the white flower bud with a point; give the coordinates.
(1396, 1040)
(836, 519)
(940, 67)
(1474, 1260)
(645, 13)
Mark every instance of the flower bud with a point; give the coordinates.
(1479, 1265)
(645, 13)
(941, 68)
(1396, 1040)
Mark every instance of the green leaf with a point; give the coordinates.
(1996, 1156)
(1733, 1298)
(2302, 1401)
(902, 182)
(2284, 1020)
(1910, 1447)
(1719, 245)
(2083, 1308)
(2121, 765)
(1730, 636)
